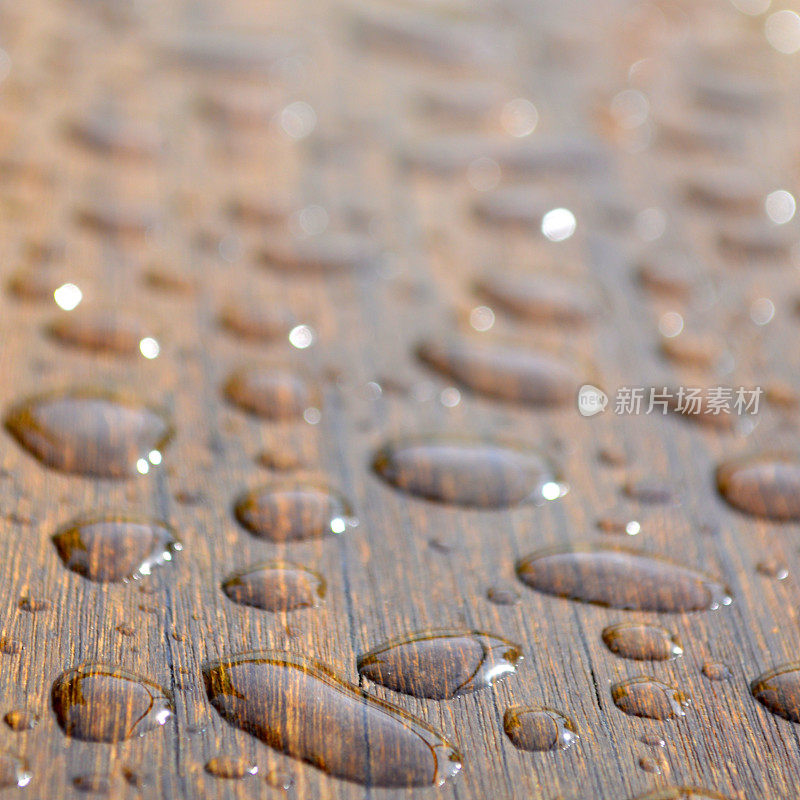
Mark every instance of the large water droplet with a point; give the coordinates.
(537, 729)
(267, 393)
(779, 691)
(276, 586)
(440, 664)
(290, 510)
(90, 433)
(111, 549)
(468, 473)
(99, 703)
(621, 578)
(503, 373)
(763, 484)
(301, 708)
(649, 698)
(642, 641)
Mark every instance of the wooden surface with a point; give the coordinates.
(409, 565)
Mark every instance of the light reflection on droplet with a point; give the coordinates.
(149, 347)
(762, 311)
(633, 528)
(312, 416)
(670, 324)
(483, 174)
(481, 318)
(651, 224)
(338, 525)
(142, 467)
(780, 206)
(154, 457)
(552, 490)
(68, 296)
(301, 337)
(312, 220)
(751, 7)
(558, 224)
(782, 30)
(230, 248)
(450, 397)
(298, 119)
(630, 108)
(519, 117)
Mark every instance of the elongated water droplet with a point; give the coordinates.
(764, 484)
(681, 793)
(267, 393)
(716, 671)
(112, 549)
(642, 641)
(276, 586)
(440, 664)
(621, 578)
(537, 729)
(283, 699)
(779, 691)
(325, 253)
(116, 219)
(255, 323)
(92, 784)
(90, 433)
(503, 373)
(230, 767)
(468, 473)
(649, 698)
(99, 703)
(14, 771)
(109, 134)
(290, 510)
(20, 720)
(99, 332)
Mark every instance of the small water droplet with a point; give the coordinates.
(773, 569)
(646, 697)
(642, 641)
(88, 433)
(681, 793)
(440, 664)
(764, 485)
(254, 321)
(655, 766)
(469, 473)
(650, 491)
(621, 578)
(230, 767)
(502, 595)
(92, 784)
(278, 697)
(10, 647)
(98, 703)
(14, 771)
(98, 332)
(276, 586)
(113, 549)
(329, 252)
(289, 510)
(538, 729)
(20, 720)
(268, 393)
(716, 671)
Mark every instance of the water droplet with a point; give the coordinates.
(537, 729)
(254, 322)
(92, 784)
(620, 578)
(681, 793)
(20, 720)
(276, 586)
(279, 779)
(230, 767)
(716, 671)
(468, 473)
(116, 219)
(654, 766)
(329, 252)
(33, 284)
(109, 135)
(749, 241)
(13, 771)
(763, 484)
(650, 491)
(646, 697)
(10, 647)
(88, 433)
(537, 299)
(268, 393)
(502, 595)
(440, 664)
(112, 549)
(728, 189)
(98, 703)
(290, 510)
(279, 460)
(280, 698)
(669, 275)
(779, 691)
(33, 604)
(642, 641)
(503, 373)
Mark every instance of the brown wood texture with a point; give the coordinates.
(410, 564)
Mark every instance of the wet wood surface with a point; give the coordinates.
(312, 188)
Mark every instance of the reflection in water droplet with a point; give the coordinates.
(290, 510)
(646, 697)
(621, 578)
(98, 703)
(537, 729)
(276, 586)
(281, 699)
(779, 691)
(230, 767)
(440, 664)
(642, 641)
(68, 296)
(112, 549)
(13, 771)
(20, 720)
(716, 671)
(764, 484)
(267, 393)
(468, 473)
(88, 433)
